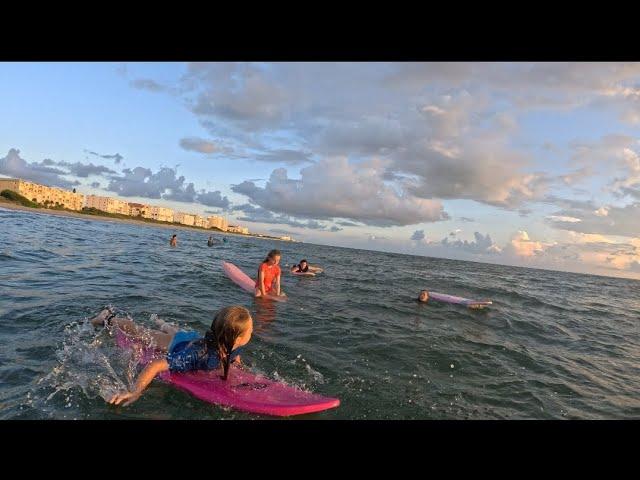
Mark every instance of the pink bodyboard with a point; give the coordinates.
(242, 390)
(243, 280)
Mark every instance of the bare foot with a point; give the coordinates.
(99, 319)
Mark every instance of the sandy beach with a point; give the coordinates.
(64, 213)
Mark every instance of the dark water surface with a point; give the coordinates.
(553, 345)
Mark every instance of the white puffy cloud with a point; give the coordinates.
(522, 246)
(336, 188)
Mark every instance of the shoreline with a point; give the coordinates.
(65, 213)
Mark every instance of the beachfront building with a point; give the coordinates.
(140, 210)
(42, 194)
(161, 214)
(286, 238)
(238, 229)
(217, 222)
(200, 222)
(108, 204)
(184, 218)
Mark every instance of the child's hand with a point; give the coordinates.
(130, 397)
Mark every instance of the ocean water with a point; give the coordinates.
(553, 345)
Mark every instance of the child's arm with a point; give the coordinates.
(148, 374)
(261, 282)
(278, 285)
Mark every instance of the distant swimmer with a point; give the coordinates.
(210, 242)
(424, 296)
(268, 282)
(304, 267)
(174, 241)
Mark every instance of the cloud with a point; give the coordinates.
(455, 232)
(43, 172)
(622, 221)
(255, 214)
(418, 236)
(522, 246)
(335, 188)
(291, 157)
(117, 158)
(481, 245)
(198, 145)
(347, 224)
(83, 170)
(147, 84)
(560, 218)
(335, 229)
(165, 184)
(466, 219)
(242, 94)
(95, 184)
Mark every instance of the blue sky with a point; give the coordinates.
(523, 164)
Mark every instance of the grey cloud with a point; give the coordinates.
(621, 221)
(347, 224)
(335, 229)
(142, 182)
(83, 170)
(481, 244)
(291, 157)
(198, 145)
(117, 158)
(466, 219)
(213, 199)
(261, 215)
(418, 235)
(13, 165)
(95, 184)
(147, 84)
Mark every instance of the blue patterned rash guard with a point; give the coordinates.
(188, 352)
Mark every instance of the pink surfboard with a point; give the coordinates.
(443, 297)
(243, 280)
(242, 390)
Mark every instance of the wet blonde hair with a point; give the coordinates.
(228, 325)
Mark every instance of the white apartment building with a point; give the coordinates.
(107, 204)
(162, 214)
(184, 218)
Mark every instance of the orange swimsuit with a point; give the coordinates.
(269, 274)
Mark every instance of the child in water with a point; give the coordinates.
(186, 350)
(174, 241)
(304, 267)
(268, 282)
(424, 296)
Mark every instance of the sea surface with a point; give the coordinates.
(552, 346)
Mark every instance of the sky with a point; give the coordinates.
(526, 164)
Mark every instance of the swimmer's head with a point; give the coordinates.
(273, 257)
(303, 264)
(424, 296)
(231, 328)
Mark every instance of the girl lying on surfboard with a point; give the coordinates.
(424, 298)
(186, 350)
(304, 267)
(268, 282)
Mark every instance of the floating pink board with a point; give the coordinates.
(243, 280)
(242, 390)
(443, 297)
